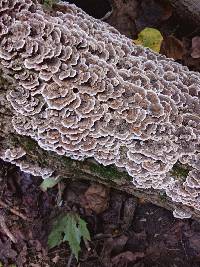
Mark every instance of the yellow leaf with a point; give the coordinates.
(150, 37)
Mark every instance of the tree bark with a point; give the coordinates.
(132, 16)
(187, 9)
(67, 168)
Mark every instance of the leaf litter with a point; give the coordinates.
(124, 231)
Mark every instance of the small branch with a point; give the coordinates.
(87, 245)
(70, 260)
(14, 211)
(6, 230)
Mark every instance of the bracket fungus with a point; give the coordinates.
(84, 90)
(12, 154)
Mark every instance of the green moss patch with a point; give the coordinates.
(30, 144)
(163, 196)
(109, 172)
(180, 171)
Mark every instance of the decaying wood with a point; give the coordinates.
(84, 170)
(89, 170)
(71, 169)
(132, 16)
(187, 9)
(123, 16)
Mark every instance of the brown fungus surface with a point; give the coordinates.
(84, 90)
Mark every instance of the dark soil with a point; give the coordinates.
(125, 231)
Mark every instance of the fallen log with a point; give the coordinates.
(187, 10)
(176, 17)
(73, 88)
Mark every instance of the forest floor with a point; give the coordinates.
(125, 231)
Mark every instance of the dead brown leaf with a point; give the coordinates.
(126, 256)
(106, 251)
(22, 256)
(194, 242)
(130, 205)
(96, 198)
(188, 60)
(56, 259)
(167, 12)
(193, 239)
(6, 251)
(172, 47)
(196, 47)
(119, 243)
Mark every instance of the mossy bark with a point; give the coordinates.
(88, 170)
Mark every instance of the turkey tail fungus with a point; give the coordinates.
(82, 90)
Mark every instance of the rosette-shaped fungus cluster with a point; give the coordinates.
(84, 90)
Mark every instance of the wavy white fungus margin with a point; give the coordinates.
(84, 90)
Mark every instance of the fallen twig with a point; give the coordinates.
(14, 211)
(6, 230)
(70, 260)
(87, 245)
